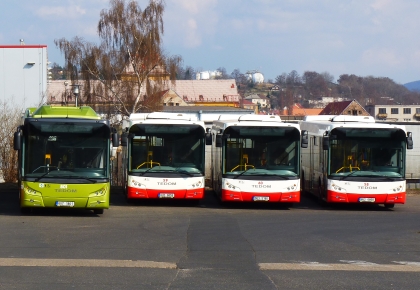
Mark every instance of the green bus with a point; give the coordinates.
(64, 158)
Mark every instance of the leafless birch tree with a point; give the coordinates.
(129, 68)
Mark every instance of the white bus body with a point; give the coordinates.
(164, 156)
(256, 158)
(352, 159)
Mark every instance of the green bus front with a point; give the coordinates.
(64, 163)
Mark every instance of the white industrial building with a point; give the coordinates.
(23, 74)
(254, 76)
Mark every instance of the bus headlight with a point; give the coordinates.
(292, 187)
(30, 191)
(197, 184)
(99, 192)
(136, 183)
(337, 188)
(398, 189)
(230, 186)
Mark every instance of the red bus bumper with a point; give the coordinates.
(228, 195)
(333, 196)
(137, 193)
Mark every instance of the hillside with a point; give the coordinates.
(413, 86)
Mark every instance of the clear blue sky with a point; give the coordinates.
(377, 38)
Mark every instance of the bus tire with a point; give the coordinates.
(25, 210)
(98, 211)
(389, 205)
(302, 182)
(321, 200)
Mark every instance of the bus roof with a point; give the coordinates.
(161, 118)
(253, 121)
(321, 123)
(340, 118)
(47, 111)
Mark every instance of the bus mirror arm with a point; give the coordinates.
(208, 139)
(325, 142)
(219, 140)
(115, 140)
(410, 144)
(124, 139)
(17, 139)
(304, 139)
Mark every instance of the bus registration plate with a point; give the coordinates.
(166, 195)
(64, 203)
(261, 198)
(367, 199)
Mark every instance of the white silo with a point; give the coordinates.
(204, 75)
(255, 76)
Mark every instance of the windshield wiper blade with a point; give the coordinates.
(78, 177)
(185, 172)
(43, 175)
(348, 175)
(242, 173)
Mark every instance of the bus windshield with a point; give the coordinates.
(167, 148)
(66, 150)
(268, 152)
(369, 154)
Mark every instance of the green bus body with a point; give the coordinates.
(64, 156)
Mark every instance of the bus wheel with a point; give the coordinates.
(389, 205)
(98, 211)
(194, 202)
(25, 210)
(320, 198)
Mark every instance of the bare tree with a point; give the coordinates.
(129, 66)
(239, 77)
(10, 118)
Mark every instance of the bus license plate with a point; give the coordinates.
(166, 195)
(64, 203)
(261, 198)
(367, 199)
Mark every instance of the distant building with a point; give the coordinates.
(298, 110)
(23, 74)
(262, 101)
(170, 98)
(395, 113)
(208, 75)
(207, 92)
(324, 101)
(255, 76)
(247, 104)
(344, 108)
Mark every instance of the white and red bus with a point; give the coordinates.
(164, 156)
(256, 158)
(353, 159)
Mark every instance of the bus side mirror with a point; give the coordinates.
(17, 139)
(115, 140)
(124, 139)
(208, 139)
(219, 140)
(304, 139)
(410, 144)
(325, 142)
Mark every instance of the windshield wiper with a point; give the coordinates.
(273, 174)
(77, 177)
(348, 175)
(185, 172)
(82, 177)
(242, 173)
(43, 175)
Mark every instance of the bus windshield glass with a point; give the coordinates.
(372, 152)
(261, 151)
(66, 150)
(168, 148)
